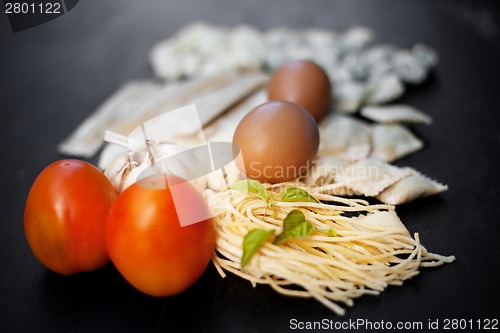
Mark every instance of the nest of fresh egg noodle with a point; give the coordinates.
(306, 234)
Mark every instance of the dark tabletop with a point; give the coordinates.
(54, 75)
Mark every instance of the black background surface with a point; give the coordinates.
(53, 76)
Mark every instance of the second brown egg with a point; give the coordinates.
(304, 83)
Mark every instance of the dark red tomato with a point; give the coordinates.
(147, 243)
(65, 216)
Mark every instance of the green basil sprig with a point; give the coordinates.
(295, 194)
(253, 241)
(332, 233)
(253, 187)
(294, 226)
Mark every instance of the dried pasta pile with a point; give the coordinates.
(371, 249)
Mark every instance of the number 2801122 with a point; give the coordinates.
(32, 8)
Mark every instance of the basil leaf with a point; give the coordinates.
(252, 242)
(253, 187)
(332, 233)
(295, 225)
(295, 194)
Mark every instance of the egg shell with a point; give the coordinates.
(278, 141)
(304, 83)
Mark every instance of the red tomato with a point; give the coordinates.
(65, 216)
(148, 245)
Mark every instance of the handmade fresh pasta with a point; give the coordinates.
(353, 249)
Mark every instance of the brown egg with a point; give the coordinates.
(304, 83)
(278, 141)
